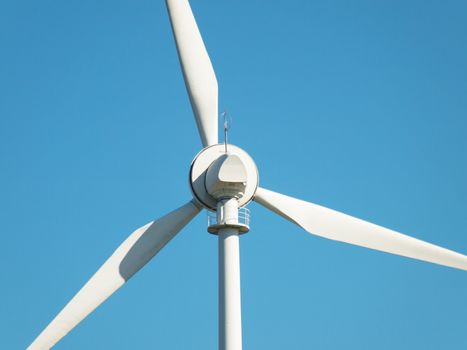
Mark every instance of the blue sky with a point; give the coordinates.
(359, 106)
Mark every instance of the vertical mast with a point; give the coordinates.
(230, 316)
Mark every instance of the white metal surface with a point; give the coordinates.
(200, 165)
(230, 314)
(200, 79)
(334, 225)
(131, 256)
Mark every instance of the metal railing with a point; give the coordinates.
(243, 217)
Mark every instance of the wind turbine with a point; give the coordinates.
(223, 180)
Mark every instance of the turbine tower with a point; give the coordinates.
(223, 180)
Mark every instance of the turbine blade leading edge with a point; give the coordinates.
(200, 79)
(128, 259)
(341, 227)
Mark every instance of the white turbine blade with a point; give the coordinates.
(334, 225)
(131, 256)
(200, 79)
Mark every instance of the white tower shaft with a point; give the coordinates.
(230, 314)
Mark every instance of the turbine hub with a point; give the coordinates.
(216, 175)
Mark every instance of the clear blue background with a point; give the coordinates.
(357, 105)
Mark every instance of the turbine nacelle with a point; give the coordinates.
(216, 175)
(226, 177)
